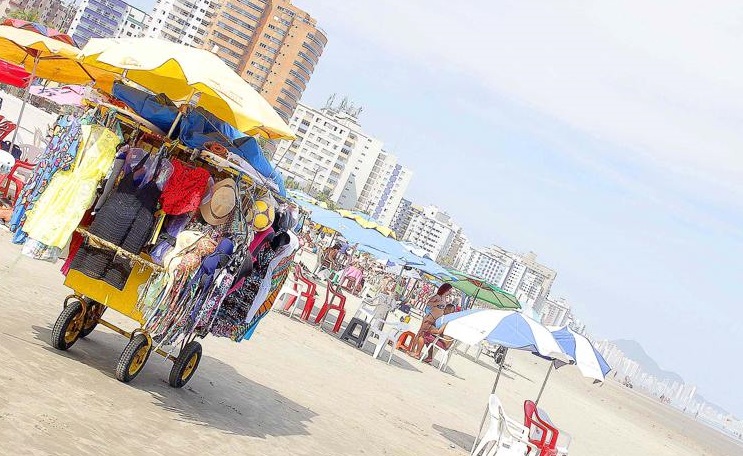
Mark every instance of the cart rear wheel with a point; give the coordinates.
(67, 328)
(94, 313)
(185, 364)
(133, 358)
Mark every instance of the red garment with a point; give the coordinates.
(184, 189)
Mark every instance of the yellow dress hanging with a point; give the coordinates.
(70, 193)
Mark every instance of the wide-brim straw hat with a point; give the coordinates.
(218, 209)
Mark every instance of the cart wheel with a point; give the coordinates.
(133, 358)
(67, 328)
(94, 313)
(185, 364)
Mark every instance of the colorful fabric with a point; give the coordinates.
(57, 212)
(59, 155)
(184, 189)
(39, 251)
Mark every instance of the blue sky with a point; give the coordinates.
(603, 136)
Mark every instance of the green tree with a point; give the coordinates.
(31, 15)
(324, 196)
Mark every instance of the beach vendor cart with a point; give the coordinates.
(168, 209)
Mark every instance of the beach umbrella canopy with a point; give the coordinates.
(188, 75)
(480, 289)
(41, 29)
(508, 328)
(367, 223)
(581, 352)
(14, 75)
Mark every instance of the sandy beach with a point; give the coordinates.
(292, 389)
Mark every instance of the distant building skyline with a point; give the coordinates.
(97, 19)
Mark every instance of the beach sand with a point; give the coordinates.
(291, 390)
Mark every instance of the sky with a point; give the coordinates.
(604, 136)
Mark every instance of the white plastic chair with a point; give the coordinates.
(30, 153)
(509, 437)
(390, 332)
(293, 288)
(442, 353)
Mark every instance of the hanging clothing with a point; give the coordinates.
(58, 156)
(60, 208)
(184, 189)
(126, 219)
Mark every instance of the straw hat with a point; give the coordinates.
(224, 198)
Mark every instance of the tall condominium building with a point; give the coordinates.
(133, 24)
(332, 155)
(182, 21)
(556, 312)
(273, 45)
(401, 219)
(430, 229)
(383, 190)
(97, 19)
(55, 13)
(518, 274)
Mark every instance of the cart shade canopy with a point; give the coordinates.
(187, 74)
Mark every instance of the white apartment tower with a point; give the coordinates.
(555, 312)
(182, 21)
(333, 156)
(134, 23)
(431, 230)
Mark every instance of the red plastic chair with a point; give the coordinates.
(6, 128)
(330, 295)
(16, 180)
(542, 433)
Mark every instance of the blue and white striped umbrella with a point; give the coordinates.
(508, 328)
(579, 348)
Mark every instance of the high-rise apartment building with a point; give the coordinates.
(97, 19)
(555, 312)
(401, 219)
(182, 21)
(133, 24)
(332, 155)
(431, 230)
(55, 13)
(273, 45)
(520, 275)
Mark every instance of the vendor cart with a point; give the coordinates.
(83, 311)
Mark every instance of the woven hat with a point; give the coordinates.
(224, 198)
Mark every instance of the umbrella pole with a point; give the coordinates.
(485, 415)
(189, 101)
(26, 94)
(549, 371)
(474, 300)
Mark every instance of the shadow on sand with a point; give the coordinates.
(458, 438)
(217, 396)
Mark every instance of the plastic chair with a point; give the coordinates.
(405, 341)
(303, 288)
(6, 128)
(390, 332)
(443, 353)
(330, 296)
(542, 433)
(510, 437)
(15, 177)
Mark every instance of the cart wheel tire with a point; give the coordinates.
(94, 313)
(185, 364)
(68, 326)
(133, 358)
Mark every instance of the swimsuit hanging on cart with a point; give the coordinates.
(125, 219)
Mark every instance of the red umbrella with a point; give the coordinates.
(14, 75)
(40, 29)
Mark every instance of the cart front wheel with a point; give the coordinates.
(68, 326)
(133, 358)
(185, 364)
(92, 316)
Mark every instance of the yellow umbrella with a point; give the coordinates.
(45, 58)
(368, 224)
(187, 74)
